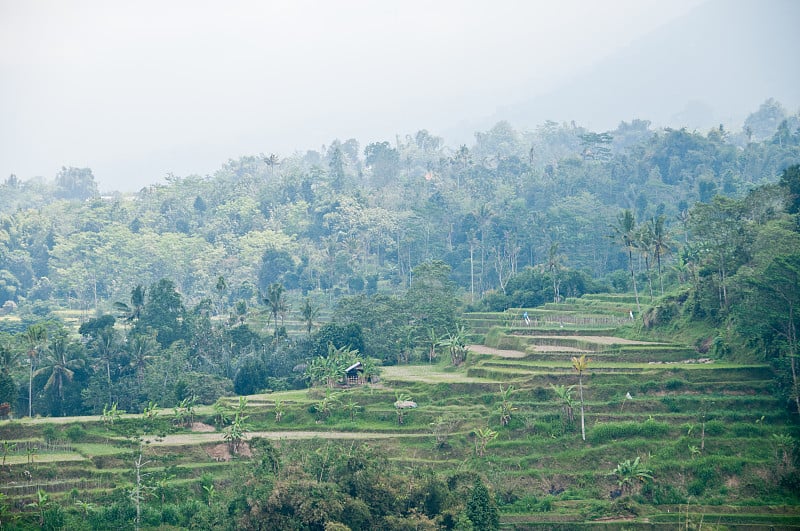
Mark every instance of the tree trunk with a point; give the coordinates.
(472, 271)
(30, 391)
(583, 425)
(795, 389)
(633, 278)
(792, 335)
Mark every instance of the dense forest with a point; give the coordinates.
(185, 288)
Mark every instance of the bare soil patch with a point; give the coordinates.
(427, 374)
(222, 452)
(482, 349)
(554, 348)
(604, 340)
(202, 427)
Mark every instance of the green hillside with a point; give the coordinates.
(713, 445)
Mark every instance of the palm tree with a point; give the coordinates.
(272, 161)
(8, 359)
(661, 244)
(105, 345)
(140, 349)
(554, 262)
(625, 232)
(133, 311)
(309, 313)
(221, 286)
(60, 362)
(581, 364)
(644, 242)
(276, 302)
(36, 337)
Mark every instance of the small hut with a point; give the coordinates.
(354, 374)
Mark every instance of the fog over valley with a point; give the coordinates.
(137, 91)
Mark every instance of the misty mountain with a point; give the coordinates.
(711, 66)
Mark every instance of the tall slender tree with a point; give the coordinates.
(276, 302)
(662, 245)
(36, 338)
(581, 364)
(309, 313)
(625, 232)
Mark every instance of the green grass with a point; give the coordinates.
(732, 480)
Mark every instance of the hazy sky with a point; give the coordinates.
(138, 89)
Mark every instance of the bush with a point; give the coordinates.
(609, 431)
(662, 494)
(674, 383)
(648, 386)
(715, 428)
(53, 518)
(696, 487)
(672, 404)
(741, 429)
(75, 433)
(50, 433)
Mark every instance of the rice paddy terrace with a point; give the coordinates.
(718, 444)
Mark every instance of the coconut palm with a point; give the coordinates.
(581, 364)
(36, 337)
(662, 245)
(59, 362)
(106, 347)
(133, 311)
(625, 233)
(645, 243)
(309, 313)
(140, 350)
(8, 359)
(276, 302)
(221, 286)
(554, 263)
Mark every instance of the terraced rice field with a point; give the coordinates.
(705, 429)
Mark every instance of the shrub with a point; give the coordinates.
(715, 428)
(53, 518)
(75, 433)
(170, 516)
(648, 386)
(696, 487)
(50, 433)
(672, 404)
(609, 431)
(741, 429)
(662, 494)
(674, 383)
